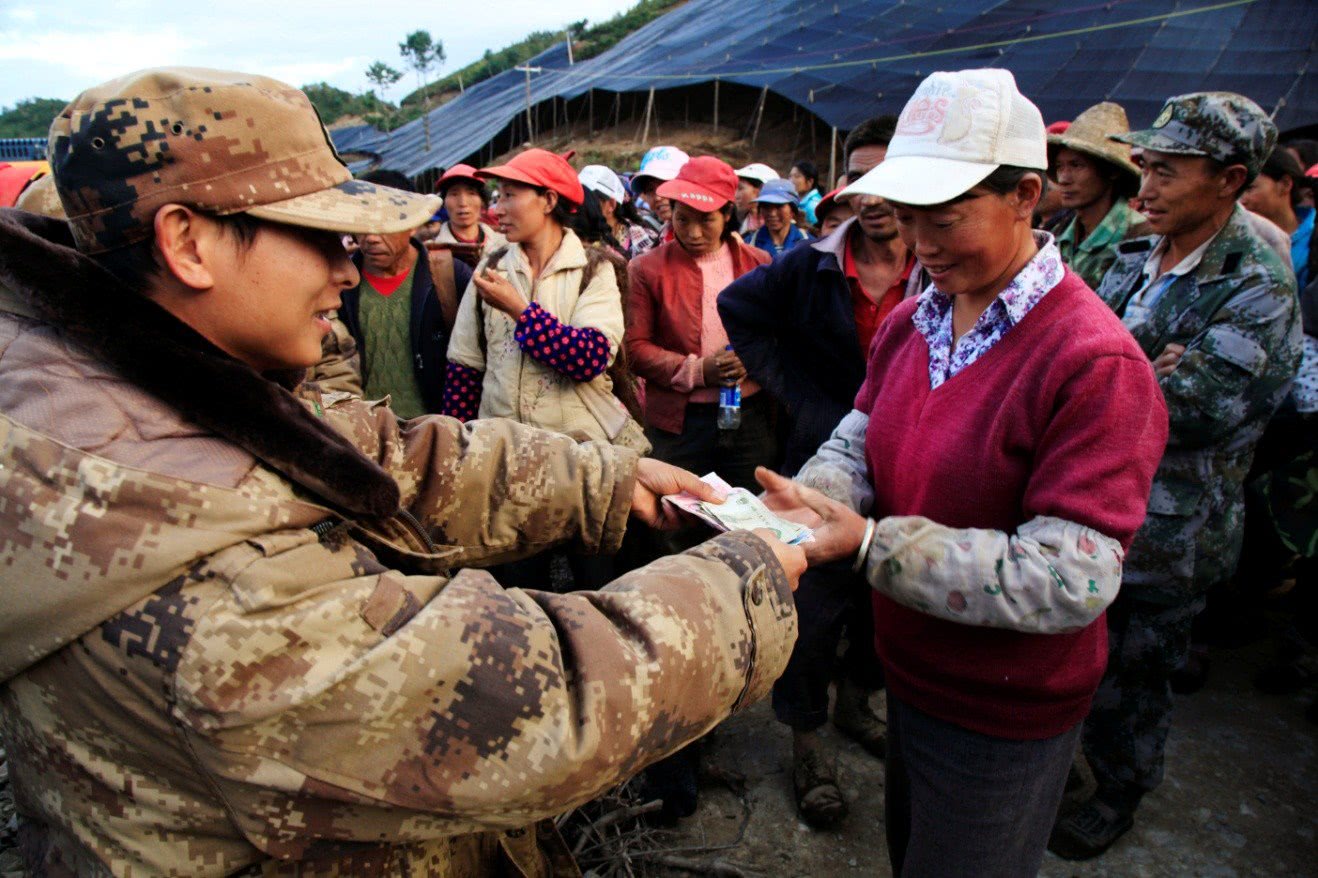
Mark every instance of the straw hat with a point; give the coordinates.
(1089, 131)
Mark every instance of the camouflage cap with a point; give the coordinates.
(40, 197)
(1219, 124)
(215, 140)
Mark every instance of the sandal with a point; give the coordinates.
(818, 797)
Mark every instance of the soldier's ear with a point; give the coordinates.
(186, 241)
(1232, 181)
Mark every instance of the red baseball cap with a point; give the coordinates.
(828, 201)
(539, 167)
(1058, 127)
(458, 172)
(704, 183)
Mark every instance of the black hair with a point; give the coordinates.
(481, 189)
(1282, 164)
(809, 171)
(392, 179)
(138, 264)
(589, 222)
(627, 212)
(1006, 178)
(872, 132)
(729, 212)
(1308, 150)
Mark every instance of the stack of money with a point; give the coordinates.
(740, 510)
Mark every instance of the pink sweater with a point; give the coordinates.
(1062, 417)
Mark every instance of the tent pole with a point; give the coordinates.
(649, 108)
(591, 100)
(832, 159)
(716, 106)
(759, 114)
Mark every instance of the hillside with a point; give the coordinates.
(29, 117)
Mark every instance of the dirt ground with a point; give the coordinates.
(1240, 798)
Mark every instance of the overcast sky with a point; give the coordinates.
(56, 48)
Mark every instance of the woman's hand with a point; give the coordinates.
(838, 530)
(499, 293)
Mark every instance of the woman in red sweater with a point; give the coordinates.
(1004, 443)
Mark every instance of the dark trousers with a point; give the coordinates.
(702, 447)
(1126, 731)
(829, 601)
(961, 803)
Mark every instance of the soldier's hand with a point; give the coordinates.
(792, 558)
(654, 479)
(1168, 360)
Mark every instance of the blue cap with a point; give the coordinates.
(779, 192)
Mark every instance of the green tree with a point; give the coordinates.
(384, 77)
(30, 117)
(423, 54)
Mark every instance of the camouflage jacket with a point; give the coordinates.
(245, 630)
(1238, 317)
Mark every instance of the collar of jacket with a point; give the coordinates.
(46, 279)
(1232, 243)
(834, 245)
(569, 255)
(674, 254)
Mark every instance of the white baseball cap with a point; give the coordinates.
(760, 173)
(956, 129)
(662, 163)
(603, 181)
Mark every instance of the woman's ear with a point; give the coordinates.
(1028, 192)
(186, 242)
(551, 201)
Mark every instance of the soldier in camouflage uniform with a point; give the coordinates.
(1215, 310)
(245, 628)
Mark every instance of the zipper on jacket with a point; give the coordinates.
(322, 529)
(415, 526)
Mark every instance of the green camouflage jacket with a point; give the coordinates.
(1092, 257)
(245, 628)
(1238, 317)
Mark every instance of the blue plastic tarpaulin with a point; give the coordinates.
(849, 60)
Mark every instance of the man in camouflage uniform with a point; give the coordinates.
(245, 631)
(1215, 310)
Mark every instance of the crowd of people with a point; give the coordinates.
(338, 506)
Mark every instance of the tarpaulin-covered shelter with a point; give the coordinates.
(848, 60)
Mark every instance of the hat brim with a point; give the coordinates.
(923, 180)
(517, 175)
(1093, 150)
(693, 195)
(1152, 138)
(354, 207)
(777, 199)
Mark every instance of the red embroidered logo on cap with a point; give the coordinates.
(922, 116)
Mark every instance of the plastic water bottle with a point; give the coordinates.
(729, 405)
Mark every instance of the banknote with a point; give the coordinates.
(740, 510)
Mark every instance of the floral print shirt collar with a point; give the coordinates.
(933, 313)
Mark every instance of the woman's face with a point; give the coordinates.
(522, 211)
(802, 183)
(969, 246)
(463, 203)
(777, 217)
(699, 232)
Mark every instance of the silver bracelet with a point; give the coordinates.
(870, 526)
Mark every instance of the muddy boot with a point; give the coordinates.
(818, 797)
(854, 718)
(1091, 829)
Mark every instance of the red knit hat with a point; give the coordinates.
(704, 183)
(540, 167)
